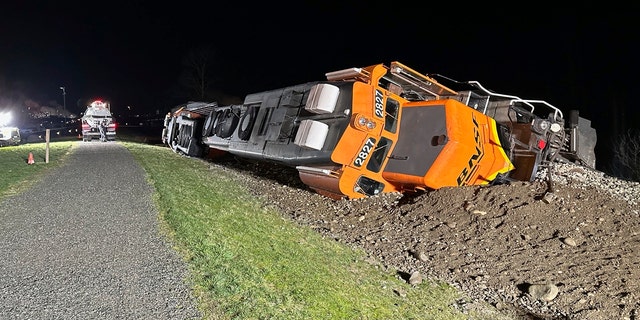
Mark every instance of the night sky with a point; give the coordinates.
(130, 53)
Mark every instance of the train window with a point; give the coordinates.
(378, 155)
(368, 186)
(391, 115)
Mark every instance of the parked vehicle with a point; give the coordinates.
(9, 136)
(98, 122)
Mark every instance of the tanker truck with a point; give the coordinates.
(98, 122)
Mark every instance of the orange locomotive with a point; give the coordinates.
(365, 131)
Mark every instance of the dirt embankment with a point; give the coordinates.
(569, 254)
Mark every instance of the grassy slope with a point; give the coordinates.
(17, 175)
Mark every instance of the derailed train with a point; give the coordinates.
(365, 131)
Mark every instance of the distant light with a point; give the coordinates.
(5, 118)
(97, 103)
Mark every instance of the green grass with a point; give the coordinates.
(249, 262)
(18, 175)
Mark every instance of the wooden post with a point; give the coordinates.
(47, 135)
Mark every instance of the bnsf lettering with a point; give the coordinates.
(472, 165)
(364, 152)
(379, 104)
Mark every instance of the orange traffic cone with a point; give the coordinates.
(30, 161)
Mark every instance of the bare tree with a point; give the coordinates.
(199, 78)
(195, 77)
(626, 156)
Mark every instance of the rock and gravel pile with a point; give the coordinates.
(585, 178)
(569, 252)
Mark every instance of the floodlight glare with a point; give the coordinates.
(5, 118)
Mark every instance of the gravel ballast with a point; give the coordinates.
(84, 243)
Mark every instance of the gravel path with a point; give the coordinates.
(84, 243)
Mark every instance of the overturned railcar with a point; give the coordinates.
(365, 131)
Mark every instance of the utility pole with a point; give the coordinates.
(64, 99)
